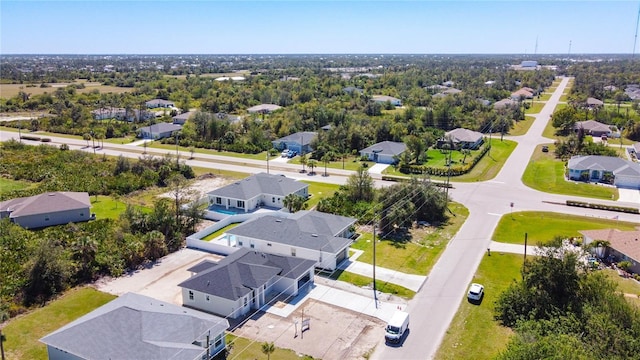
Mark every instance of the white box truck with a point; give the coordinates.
(397, 327)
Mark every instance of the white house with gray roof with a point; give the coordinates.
(264, 109)
(321, 237)
(607, 169)
(243, 281)
(158, 131)
(384, 152)
(137, 327)
(159, 103)
(47, 209)
(385, 98)
(257, 190)
(465, 138)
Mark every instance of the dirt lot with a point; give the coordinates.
(334, 333)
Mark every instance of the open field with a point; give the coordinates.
(473, 333)
(318, 191)
(364, 281)
(23, 332)
(7, 185)
(10, 90)
(420, 252)
(214, 235)
(521, 127)
(541, 227)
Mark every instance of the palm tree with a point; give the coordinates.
(303, 161)
(294, 202)
(325, 159)
(268, 349)
(312, 164)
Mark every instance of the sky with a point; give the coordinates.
(318, 27)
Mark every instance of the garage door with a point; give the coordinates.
(627, 182)
(341, 256)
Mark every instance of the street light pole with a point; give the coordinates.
(177, 155)
(267, 161)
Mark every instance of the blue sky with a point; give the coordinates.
(317, 27)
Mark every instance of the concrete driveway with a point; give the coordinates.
(629, 195)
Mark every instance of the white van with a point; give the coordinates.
(397, 327)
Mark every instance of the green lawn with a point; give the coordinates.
(473, 333)
(546, 173)
(544, 226)
(418, 255)
(351, 162)
(535, 108)
(563, 97)
(107, 207)
(625, 285)
(220, 232)
(172, 148)
(7, 185)
(319, 191)
(243, 348)
(486, 169)
(364, 281)
(225, 173)
(521, 127)
(23, 332)
(546, 96)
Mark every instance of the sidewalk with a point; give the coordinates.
(511, 248)
(409, 281)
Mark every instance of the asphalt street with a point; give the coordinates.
(434, 306)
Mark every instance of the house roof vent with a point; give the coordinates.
(314, 235)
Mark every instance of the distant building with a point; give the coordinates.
(159, 103)
(593, 128)
(385, 99)
(464, 138)
(182, 118)
(263, 109)
(158, 131)
(384, 152)
(299, 142)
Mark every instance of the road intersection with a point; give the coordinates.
(435, 305)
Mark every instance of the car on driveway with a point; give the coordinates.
(476, 291)
(545, 148)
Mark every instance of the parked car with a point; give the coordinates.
(397, 327)
(476, 291)
(292, 154)
(545, 148)
(285, 153)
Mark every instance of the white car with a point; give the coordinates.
(475, 292)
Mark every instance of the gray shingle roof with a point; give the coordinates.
(184, 116)
(464, 135)
(606, 163)
(159, 102)
(254, 185)
(390, 148)
(264, 108)
(161, 128)
(592, 125)
(317, 222)
(46, 203)
(289, 232)
(240, 272)
(134, 326)
(301, 137)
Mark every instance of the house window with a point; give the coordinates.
(268, 244)
(264, 287)
(239, 243)
(81, 214)
(46, 218)
(207, 298)
(240, 203)
(218, 200)
(245, 301)
(253, 246)
(218, 341)
(273, 199)
(293, 251)
(190, 295)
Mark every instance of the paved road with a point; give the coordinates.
(433, 308)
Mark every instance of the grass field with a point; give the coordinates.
(319, 191)
(23, 332)
(351, 162)
(10, 90)
(535, 108)
(486, 169)
(546, 96)
(418, 255)
(473, 333)
(541, 227)
(546, 173)
(364, 281)
(7, 185)
(521, 127)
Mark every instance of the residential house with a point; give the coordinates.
(323, 238)
(505, 103)
(448, 83)
(606, 169)
(464, 138)
(299, 142)
(352, 89)
(158, 131)
(263, 109)
(47, 209)
(522, 94)
(159, 103)
(593, 128)
(182, 118)
(135, 327)
(385, 152)
(109, 113)
(593, 103)
(243, 281)
(452, 91)
(623, 245)
(385, 99)
(257, 190)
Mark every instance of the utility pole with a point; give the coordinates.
(2, 339)
(375, 296)
(267, 161)
(524, 262)
(177, 155)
